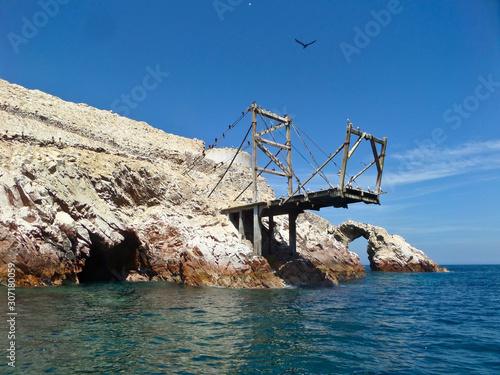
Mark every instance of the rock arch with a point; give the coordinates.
(386, 252)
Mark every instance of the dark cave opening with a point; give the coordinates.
(110, 263)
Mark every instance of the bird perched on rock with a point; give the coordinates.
(304, 44)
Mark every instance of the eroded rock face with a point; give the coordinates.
(386, 252)
(87, 195)
(321, 260)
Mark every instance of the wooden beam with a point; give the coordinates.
(272, 128)
(352, 179)
(367, 136)
(355, 146)
(375, 156)
(274, 159)
(271, 115)
(272, 172)
(319, 169)
(381, 165)
(275, 144)
(345, 157)
(289, 159)
(254, 153)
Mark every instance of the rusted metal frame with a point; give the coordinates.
(275, 160)
(345, 157)
(353, 179)
(272, 172)
(272, 128)
(271, 143)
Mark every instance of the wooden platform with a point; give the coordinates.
(310, 201)
(247, 218)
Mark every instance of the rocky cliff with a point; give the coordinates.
(87, 195)
(386, 252)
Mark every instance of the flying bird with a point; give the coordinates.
(304, 45)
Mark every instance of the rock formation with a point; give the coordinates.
(386, 252)
(87, 195)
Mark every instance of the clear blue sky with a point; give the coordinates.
(426, 74)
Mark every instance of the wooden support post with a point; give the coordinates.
(345, 157)
(289, 158)
(257, 233)
(241, 226)
(381, 165)
(292, 232)
(254, 153)
(271, 234)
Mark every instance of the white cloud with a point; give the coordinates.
(429, 163)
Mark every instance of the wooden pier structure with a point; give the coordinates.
(248, 218)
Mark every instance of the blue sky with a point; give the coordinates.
(425, 74)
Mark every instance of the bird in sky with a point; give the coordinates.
(304, 44)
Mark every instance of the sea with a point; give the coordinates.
(386, 323)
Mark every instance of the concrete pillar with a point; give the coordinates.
(241, 226)
(292, 230)
(257, 234)
(271, 234)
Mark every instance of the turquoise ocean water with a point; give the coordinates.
(387, 323)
